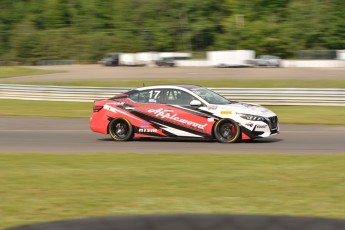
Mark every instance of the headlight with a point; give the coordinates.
(251, 117)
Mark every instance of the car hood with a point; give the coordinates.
(247, 108)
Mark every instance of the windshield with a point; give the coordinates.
(210, 96)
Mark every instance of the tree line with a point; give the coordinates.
(83, 30)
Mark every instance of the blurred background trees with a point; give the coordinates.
(83, 30)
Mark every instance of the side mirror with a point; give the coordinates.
(195, 103)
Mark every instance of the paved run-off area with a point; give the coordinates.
(101, 73)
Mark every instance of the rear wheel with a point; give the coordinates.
(120, 130)
(227, 131)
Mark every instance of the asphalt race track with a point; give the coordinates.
(62, 135)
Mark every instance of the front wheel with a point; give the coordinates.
(120, 130)
(227, 131)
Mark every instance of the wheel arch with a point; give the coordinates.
(222, 120)
(112, 119)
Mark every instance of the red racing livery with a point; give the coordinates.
(180, 111)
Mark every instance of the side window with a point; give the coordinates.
(139, 97)
(134, 96)
(147, 96)
(170, 96)
(178, 97)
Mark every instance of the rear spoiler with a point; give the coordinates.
(121, 95)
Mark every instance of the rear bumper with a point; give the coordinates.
(99, 123)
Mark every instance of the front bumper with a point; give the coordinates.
(258, 129)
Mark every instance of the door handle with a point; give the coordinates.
(168, 111)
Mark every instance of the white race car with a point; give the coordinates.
(181, 111)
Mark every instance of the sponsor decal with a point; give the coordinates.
(261, 126)
(148, 130)
(144, 124)
(227, 112)
(174, 117)
(256, 107)
(250, 124)
(250, 105)
(210, 119)
(115, 103)
(112, 109)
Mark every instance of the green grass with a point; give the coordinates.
(206, 83)
(13, 71)
(331, 115)
(45, 108)
(287, 114)
(45, 187)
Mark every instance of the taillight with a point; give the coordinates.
(97, 108)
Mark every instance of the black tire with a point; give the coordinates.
(121, 130)
(227, 131)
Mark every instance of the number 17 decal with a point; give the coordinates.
(154, 94)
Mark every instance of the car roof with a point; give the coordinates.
(173, 86)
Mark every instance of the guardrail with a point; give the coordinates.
(264, 96)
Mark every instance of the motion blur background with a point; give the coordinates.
(84, 30)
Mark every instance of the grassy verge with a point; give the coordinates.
(206, 83)
(42, 187)
(287, 114)
(331, 115)
(13, 71)
(45, 108)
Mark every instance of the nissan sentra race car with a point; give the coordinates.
(181, 111)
